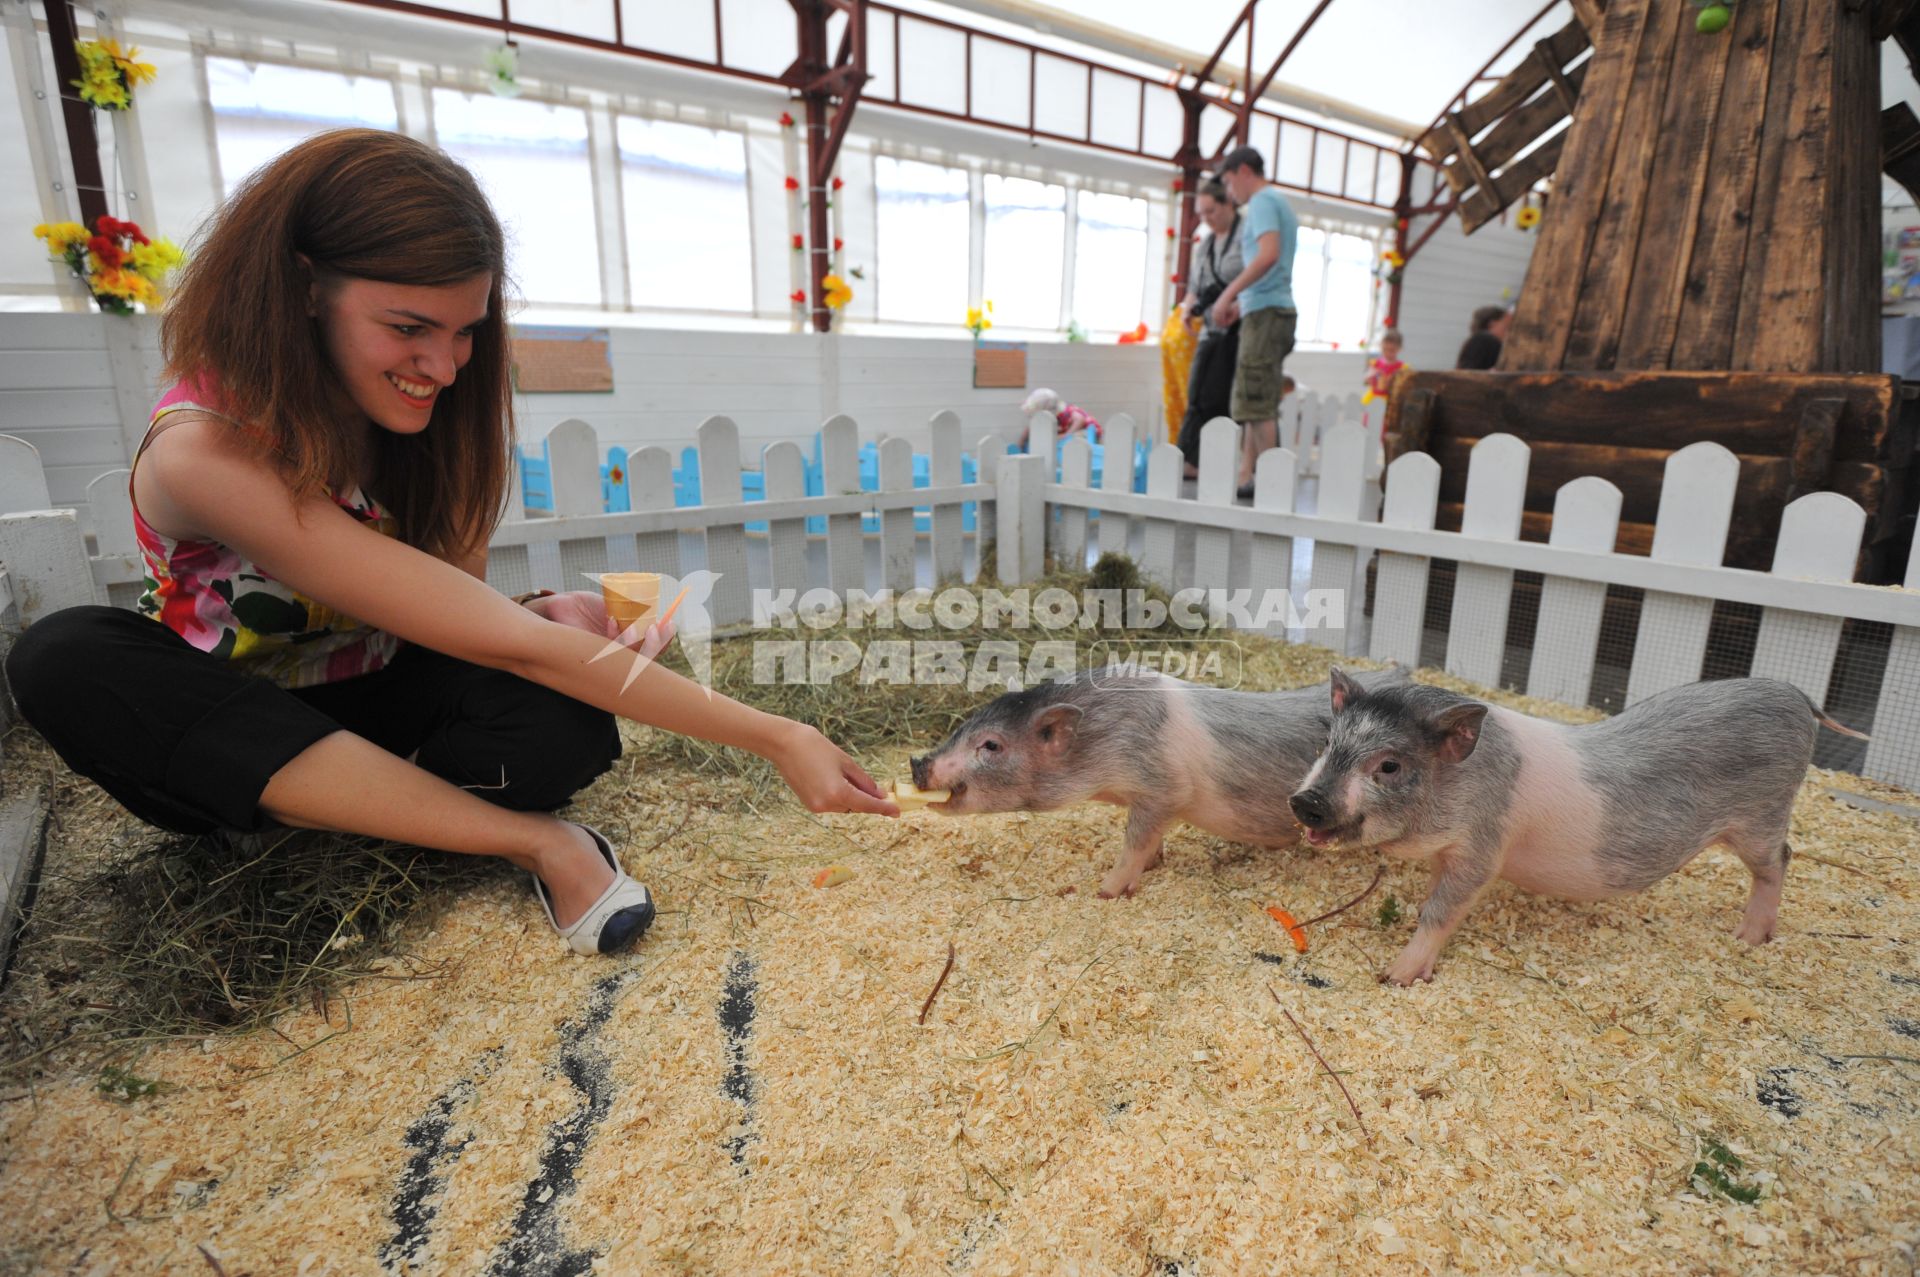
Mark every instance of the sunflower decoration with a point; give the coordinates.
(1394, 260)
(838, 291)
(108, 74)
(1527, 218)
(979, 320)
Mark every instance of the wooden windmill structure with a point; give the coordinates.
(1707, 266)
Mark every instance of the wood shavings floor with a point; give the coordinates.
(1101, 1086)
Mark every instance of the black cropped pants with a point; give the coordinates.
(186, 742)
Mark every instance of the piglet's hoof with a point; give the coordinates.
(1407, 973)
(1115, 890)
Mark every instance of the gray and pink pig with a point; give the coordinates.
(1375, 760)
(1582, 812)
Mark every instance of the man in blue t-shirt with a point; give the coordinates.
(1261, 297)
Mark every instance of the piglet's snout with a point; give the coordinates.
(1312, 808)
(922, 767)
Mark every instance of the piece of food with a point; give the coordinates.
(631, 596)
(674, 606)
(1294, 929)
(911, 798)
(832, 876)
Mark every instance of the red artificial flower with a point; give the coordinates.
(837, 183)
(1171, 233)
(793, 183)
(1179, 185)
(106, 250)
(799, 297)
(838, 243)
(798, 243)
(786, 119)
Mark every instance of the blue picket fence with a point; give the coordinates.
(536, 478)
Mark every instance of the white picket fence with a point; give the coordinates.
(1804, 602)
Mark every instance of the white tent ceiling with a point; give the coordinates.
(1394, 63)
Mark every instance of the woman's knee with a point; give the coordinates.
(64, 653)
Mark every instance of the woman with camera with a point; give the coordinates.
(1216, 261)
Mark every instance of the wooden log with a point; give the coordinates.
(1710, 301)
(1812, 458)
(1752, 413)
(1521, 128)
(1483, 207)
(1589, 14)
(1594, 339)
(1679, 177)
(1410, 419)
(1543, 319)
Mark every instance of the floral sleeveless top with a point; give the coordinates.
(227, 606)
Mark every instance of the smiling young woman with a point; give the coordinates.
(316, 645)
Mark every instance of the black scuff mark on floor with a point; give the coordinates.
(535, 1247)
(736, 1021)
(1300, 974)
(978, 1233)
(1774, 1090)
(434, 1153)
(1905, 1028)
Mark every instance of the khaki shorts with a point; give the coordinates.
(1266, 339)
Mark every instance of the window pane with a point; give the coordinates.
(920, 267)
(531, 159)
(261, 111)
(1026, 240)
(1309, 273)
(1110, 262)
(1349, 290)
(688, 242)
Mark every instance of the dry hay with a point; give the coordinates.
(1101, 1086)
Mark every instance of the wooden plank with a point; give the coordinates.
(23, 481)
(1850, 284)
(1512, 184)
(1594, 339)
(1543, 320)
(1813, 443)
(1496, 496)
(1270, 558)
(1678, 183)
(1696, 509)
(1116, 475)
(1212, 547)
(1589, 13)
(1781, 316)
(785, 471)
(944, 470)
(1400, 584)
(1528, 124)
(1021, 509)
(840, 474)
(650, 480)
(1710, 299)
(1464, 158)
(45, 558)
(1530, 76)
(573, 453)
(1586, 516)
(1164, 465)
(719, 443)
(1754, 413)
(1070, 527)
(896, 526)
(1819, 540)
(1343, 485)
(1893, 754)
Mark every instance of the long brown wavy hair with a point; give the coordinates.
(371, 205)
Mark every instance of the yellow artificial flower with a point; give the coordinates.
(61, 236)
(838, 293)
(1527, 218)
(154, 260)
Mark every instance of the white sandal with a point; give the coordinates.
(614, 921)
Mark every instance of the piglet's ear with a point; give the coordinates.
(1054, 727)
(1344, 689)
(1459, 730)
